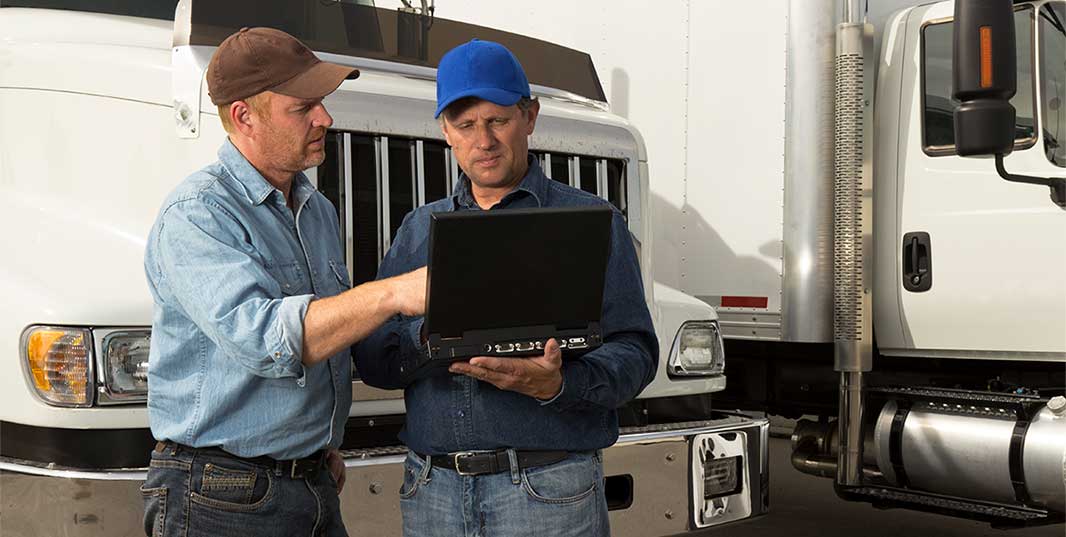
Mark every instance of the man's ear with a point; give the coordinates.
(240, 116)
(444, 129)
(533, 112)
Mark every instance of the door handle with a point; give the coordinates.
(917, 262)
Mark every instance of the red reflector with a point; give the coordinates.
(744, 302)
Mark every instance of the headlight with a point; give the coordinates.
(58, 364)
(697, 350)
(123, 365)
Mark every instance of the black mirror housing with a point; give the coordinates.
(983, 77)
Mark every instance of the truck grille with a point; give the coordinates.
(374, 180)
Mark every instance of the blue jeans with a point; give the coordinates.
(565, 499)
(196, 494)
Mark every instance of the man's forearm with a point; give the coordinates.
(337, 322)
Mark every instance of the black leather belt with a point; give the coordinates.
(307, 467)
(491, 462)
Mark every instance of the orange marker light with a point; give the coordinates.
(986, 57)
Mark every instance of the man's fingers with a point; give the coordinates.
(552, 357)
(551, 347)
(503, 365)
(477, 372)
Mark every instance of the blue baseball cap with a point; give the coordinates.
(481, 69)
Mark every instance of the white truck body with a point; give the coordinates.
(736, 105)
(707, 86)
(103, 115)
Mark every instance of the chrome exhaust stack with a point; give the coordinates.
(852, 238)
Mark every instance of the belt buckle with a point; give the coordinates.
(463, 455)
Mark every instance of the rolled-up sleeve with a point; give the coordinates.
(224, 288)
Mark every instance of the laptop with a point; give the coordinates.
(502, 283)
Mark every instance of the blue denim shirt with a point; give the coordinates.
(455, 412)
(232, 270)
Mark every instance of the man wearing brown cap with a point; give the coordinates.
(249, 374)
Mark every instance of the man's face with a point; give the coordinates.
(490, 141)
(291, 132)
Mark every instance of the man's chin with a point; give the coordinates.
(315, 159)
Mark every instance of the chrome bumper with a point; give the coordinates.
(650, 472)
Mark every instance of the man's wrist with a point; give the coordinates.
(549, 397)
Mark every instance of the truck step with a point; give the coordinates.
(723, 420)
(944, 395)
(997, 514)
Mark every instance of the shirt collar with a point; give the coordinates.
(256, 188)
(535, 183)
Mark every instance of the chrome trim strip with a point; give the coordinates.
(575, 171)
(452, 165)
(374, 461)
(742, 324)
(384, 236)
(348, 200)
(601, 178)
(419, 177)
(547, 165)
(102, 475)
(691, 431)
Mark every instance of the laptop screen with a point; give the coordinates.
(516, 268)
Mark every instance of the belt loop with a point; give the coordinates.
(512, 458)
(423, 477)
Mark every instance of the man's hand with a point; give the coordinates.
(537, 376)
(335, 465)
(408, 292)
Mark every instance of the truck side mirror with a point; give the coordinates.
(983, 76)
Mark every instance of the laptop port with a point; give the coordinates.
(524, 347)
(505, 347)
(577, 343)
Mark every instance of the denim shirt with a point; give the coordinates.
(451, 413)
(232, 270)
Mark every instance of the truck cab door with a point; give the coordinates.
(981, 262)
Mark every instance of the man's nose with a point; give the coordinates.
(322, 117)
(485, 138)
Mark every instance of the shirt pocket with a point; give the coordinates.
(290, 277)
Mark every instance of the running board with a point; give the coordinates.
(999, 515)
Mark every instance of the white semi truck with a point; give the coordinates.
(806, 182)
(104, 110)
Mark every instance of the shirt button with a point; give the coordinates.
(461, 413)
(301, 383)
(277, 355)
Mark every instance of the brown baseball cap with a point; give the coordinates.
(255, 60)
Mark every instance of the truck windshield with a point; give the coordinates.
(1053, 81)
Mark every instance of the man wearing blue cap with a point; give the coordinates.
(505, 446)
